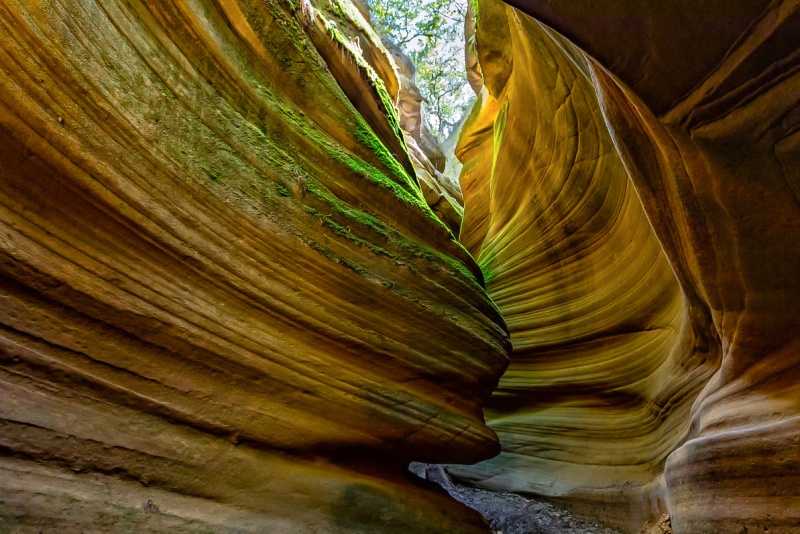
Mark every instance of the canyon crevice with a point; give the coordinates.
(239, 293)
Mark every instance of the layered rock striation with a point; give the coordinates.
(225, 304)
(231, 298)
(630, 184)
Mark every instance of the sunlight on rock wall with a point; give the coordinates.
(640, 238)
(225, 303)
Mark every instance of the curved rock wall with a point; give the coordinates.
(606, 359)
(227, 306)
(641, 239)
(225, 303)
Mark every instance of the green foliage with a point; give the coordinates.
(476, 7)
(431, 33)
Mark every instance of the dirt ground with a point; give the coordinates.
(509, 513)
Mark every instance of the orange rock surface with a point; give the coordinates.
(631, 193)
(225, 303)
(232, 300)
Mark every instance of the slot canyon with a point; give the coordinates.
(240, 291)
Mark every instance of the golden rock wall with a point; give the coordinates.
(631, 193)
(224, 303)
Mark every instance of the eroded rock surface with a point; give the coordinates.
(224, 303)
(442, 191)
(631, 193)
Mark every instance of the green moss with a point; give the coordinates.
(363, 132)
(433, 258)
(322, 250)
(336, 9)
(214, 173)
(488, 275)
(341, 261)
(439, 258)
(277, 132)
(402, 187)
(458, 208)
(394, 176)
(367, 137)
(347, 233)
(353, 266)
(411, 195)
(485, 262)
(305, 55)
(337, 206)
(472, 42)
(344, 217)
(333, 31)
(476, 8)
(346, 10)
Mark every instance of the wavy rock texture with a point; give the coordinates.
(631, 192)
(606, 359)
(225, 304)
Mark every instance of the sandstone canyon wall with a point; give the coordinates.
(231, 298)
(224, 303)
(631, 193)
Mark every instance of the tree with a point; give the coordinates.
(431, 33)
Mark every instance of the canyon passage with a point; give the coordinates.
(242, 286)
